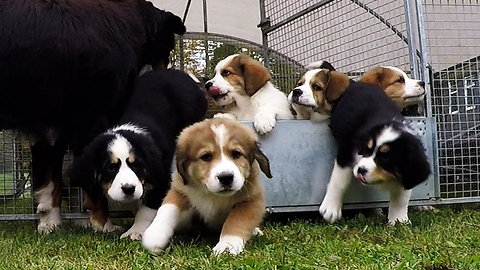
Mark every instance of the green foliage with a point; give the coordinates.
(447, 239)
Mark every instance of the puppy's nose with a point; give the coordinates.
(128, 189)
(208, 85)
(226, 179)
(362, 170)
(297, 92)
(421, 83)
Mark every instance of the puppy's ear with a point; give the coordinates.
(84, 172)
(262, 160)
(373, 76)
(336, 86)
(181, 162)
(416, 168)
(175, 23)
(255, 75)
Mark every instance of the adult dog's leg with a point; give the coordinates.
(47, 161)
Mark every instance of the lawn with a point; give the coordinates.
(446, 239)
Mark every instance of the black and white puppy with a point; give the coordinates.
(131, 163)
(377, 145)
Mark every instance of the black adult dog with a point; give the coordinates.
(131, 163)
(67, 68)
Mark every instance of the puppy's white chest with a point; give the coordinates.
(213, 210)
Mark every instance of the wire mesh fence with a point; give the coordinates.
(452, 31)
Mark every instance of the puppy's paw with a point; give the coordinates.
(257, 232)
(402, 219)
(264, 123)
(225, 115)
(156, 240)
(331, 210)
(133, 234)
(229, 243)
(106, 228)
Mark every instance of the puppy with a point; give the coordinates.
(302, 98)
(396, 84)
(242, 85)
(130, 164)
(216, 178)
(375, 145)
(393, 81)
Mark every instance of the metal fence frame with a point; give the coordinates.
(278, 15)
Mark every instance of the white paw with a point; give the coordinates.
(394, 220)
(229, 243)
(330, 210)
(49, 219)
(135, 232)
(156, 240)
(107, 227)
(257, 232)
(264, 123)
(225, 115)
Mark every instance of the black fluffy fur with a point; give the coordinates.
(361, 114)
(163, 103)
(67, 68)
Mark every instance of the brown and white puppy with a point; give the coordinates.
(301, 99)
(242, 85)
(398, 86)
(316, 92)
(218, 162)
(308, 104)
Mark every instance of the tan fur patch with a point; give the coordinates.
(370, 144)
(390, 81)
(384, 148)
(331, 85)
(381, 176)
(253, 75)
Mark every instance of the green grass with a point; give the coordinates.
(447, 239)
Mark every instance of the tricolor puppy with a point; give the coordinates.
(218, 162)
(303, 98)
(242, 85)
(130, 164)
(396, 84)
(375, 145)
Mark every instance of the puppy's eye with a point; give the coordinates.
(111, 167)
(316, 87)
(236, 154)
(225, 73)
(206, 157)
(400, 80)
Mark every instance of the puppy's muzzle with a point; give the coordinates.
(226, 179)
(128, 190)
(296, 93)
(360, 174)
